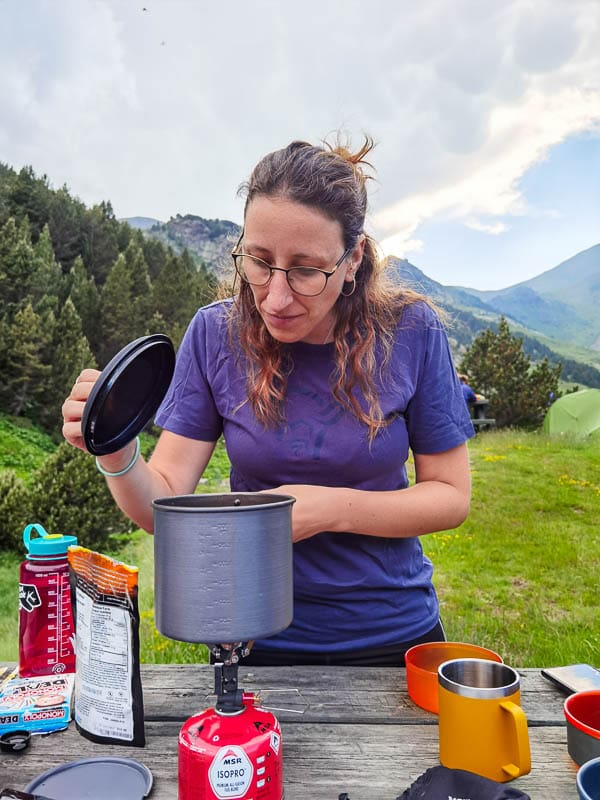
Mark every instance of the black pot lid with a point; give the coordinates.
(95, 779)
(127, 393)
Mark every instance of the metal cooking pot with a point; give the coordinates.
(223, 566)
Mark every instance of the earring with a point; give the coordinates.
(352, 290)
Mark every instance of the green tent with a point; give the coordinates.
(577, 413)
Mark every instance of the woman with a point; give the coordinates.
(320, 376)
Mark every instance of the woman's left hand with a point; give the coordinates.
(311, 513)
(437, 501)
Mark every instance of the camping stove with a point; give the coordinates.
(234, 749)
(203, 543)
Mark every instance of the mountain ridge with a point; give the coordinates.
(566, 295)
(559, 305)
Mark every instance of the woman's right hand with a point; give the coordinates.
(72, 409)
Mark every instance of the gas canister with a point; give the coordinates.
(231, 755)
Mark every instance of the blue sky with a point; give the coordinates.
(486, 114)
(562, 217)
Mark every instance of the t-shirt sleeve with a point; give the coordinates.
(437, 415)
(189, 408)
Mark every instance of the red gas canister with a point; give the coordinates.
(231, 755)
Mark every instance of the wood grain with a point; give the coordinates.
(345, 729)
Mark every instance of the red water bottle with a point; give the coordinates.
(46, 630)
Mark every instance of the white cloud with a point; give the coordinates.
(508, 89)
(397, 245)
(519, 136)
(494, 229)
(166, 111)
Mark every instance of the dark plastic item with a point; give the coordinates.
(95, 779)
(15, 794)
(127, 393)
(14, 741)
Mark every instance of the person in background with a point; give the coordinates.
(321, 376)
(468, 393)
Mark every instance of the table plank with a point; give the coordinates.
(355, 695)
(375, 763)
(369, 762)
(357, 731)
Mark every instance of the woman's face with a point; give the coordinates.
(287, 234)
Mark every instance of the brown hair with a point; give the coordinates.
(333, 180)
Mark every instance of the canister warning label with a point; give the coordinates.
(275, 742)
(230, 773)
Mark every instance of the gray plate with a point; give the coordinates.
(95, 779)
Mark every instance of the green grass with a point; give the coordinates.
(519, 576)
(23, 448)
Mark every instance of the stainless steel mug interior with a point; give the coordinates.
(476, 677)
(223, 566)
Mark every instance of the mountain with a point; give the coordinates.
(143, 223)
(561, 303)
(471, 311)
(208, 240)
(555, 312)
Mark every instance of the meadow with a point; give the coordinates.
(519, 576)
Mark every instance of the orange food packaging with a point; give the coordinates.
(108, 705)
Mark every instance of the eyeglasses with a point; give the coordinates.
(307, 281)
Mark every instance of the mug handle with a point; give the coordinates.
(523, 765)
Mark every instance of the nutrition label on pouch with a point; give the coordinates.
(104, 665)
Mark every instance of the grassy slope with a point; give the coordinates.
(23, 448)
(518, 576)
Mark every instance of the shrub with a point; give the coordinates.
(69, 496)
(15, 511)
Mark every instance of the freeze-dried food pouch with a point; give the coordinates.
(108, 689)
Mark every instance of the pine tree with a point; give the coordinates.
(141, 289)
(47, 284)
(498, 368)
(100, 237)
(68, 354)
(30, 198)
(65, 223)
(155, 256)
(179, 290)
(24, 371)
(8, 179)
(86, 299)
(116, 303)
(16, 266)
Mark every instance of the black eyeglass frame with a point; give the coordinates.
(235, 255)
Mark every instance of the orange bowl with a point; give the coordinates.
(423, 660)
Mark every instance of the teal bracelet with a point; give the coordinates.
(126, 469)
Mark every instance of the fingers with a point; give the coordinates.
(72, 433)
(83, 385)
(72, 408)
(87, 375)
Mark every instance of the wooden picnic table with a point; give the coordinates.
(478, 415)
(345, 729)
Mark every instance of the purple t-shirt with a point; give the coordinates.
(350, 591)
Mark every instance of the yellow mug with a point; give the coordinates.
(482, 726)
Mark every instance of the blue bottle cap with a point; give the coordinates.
(48, 544)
